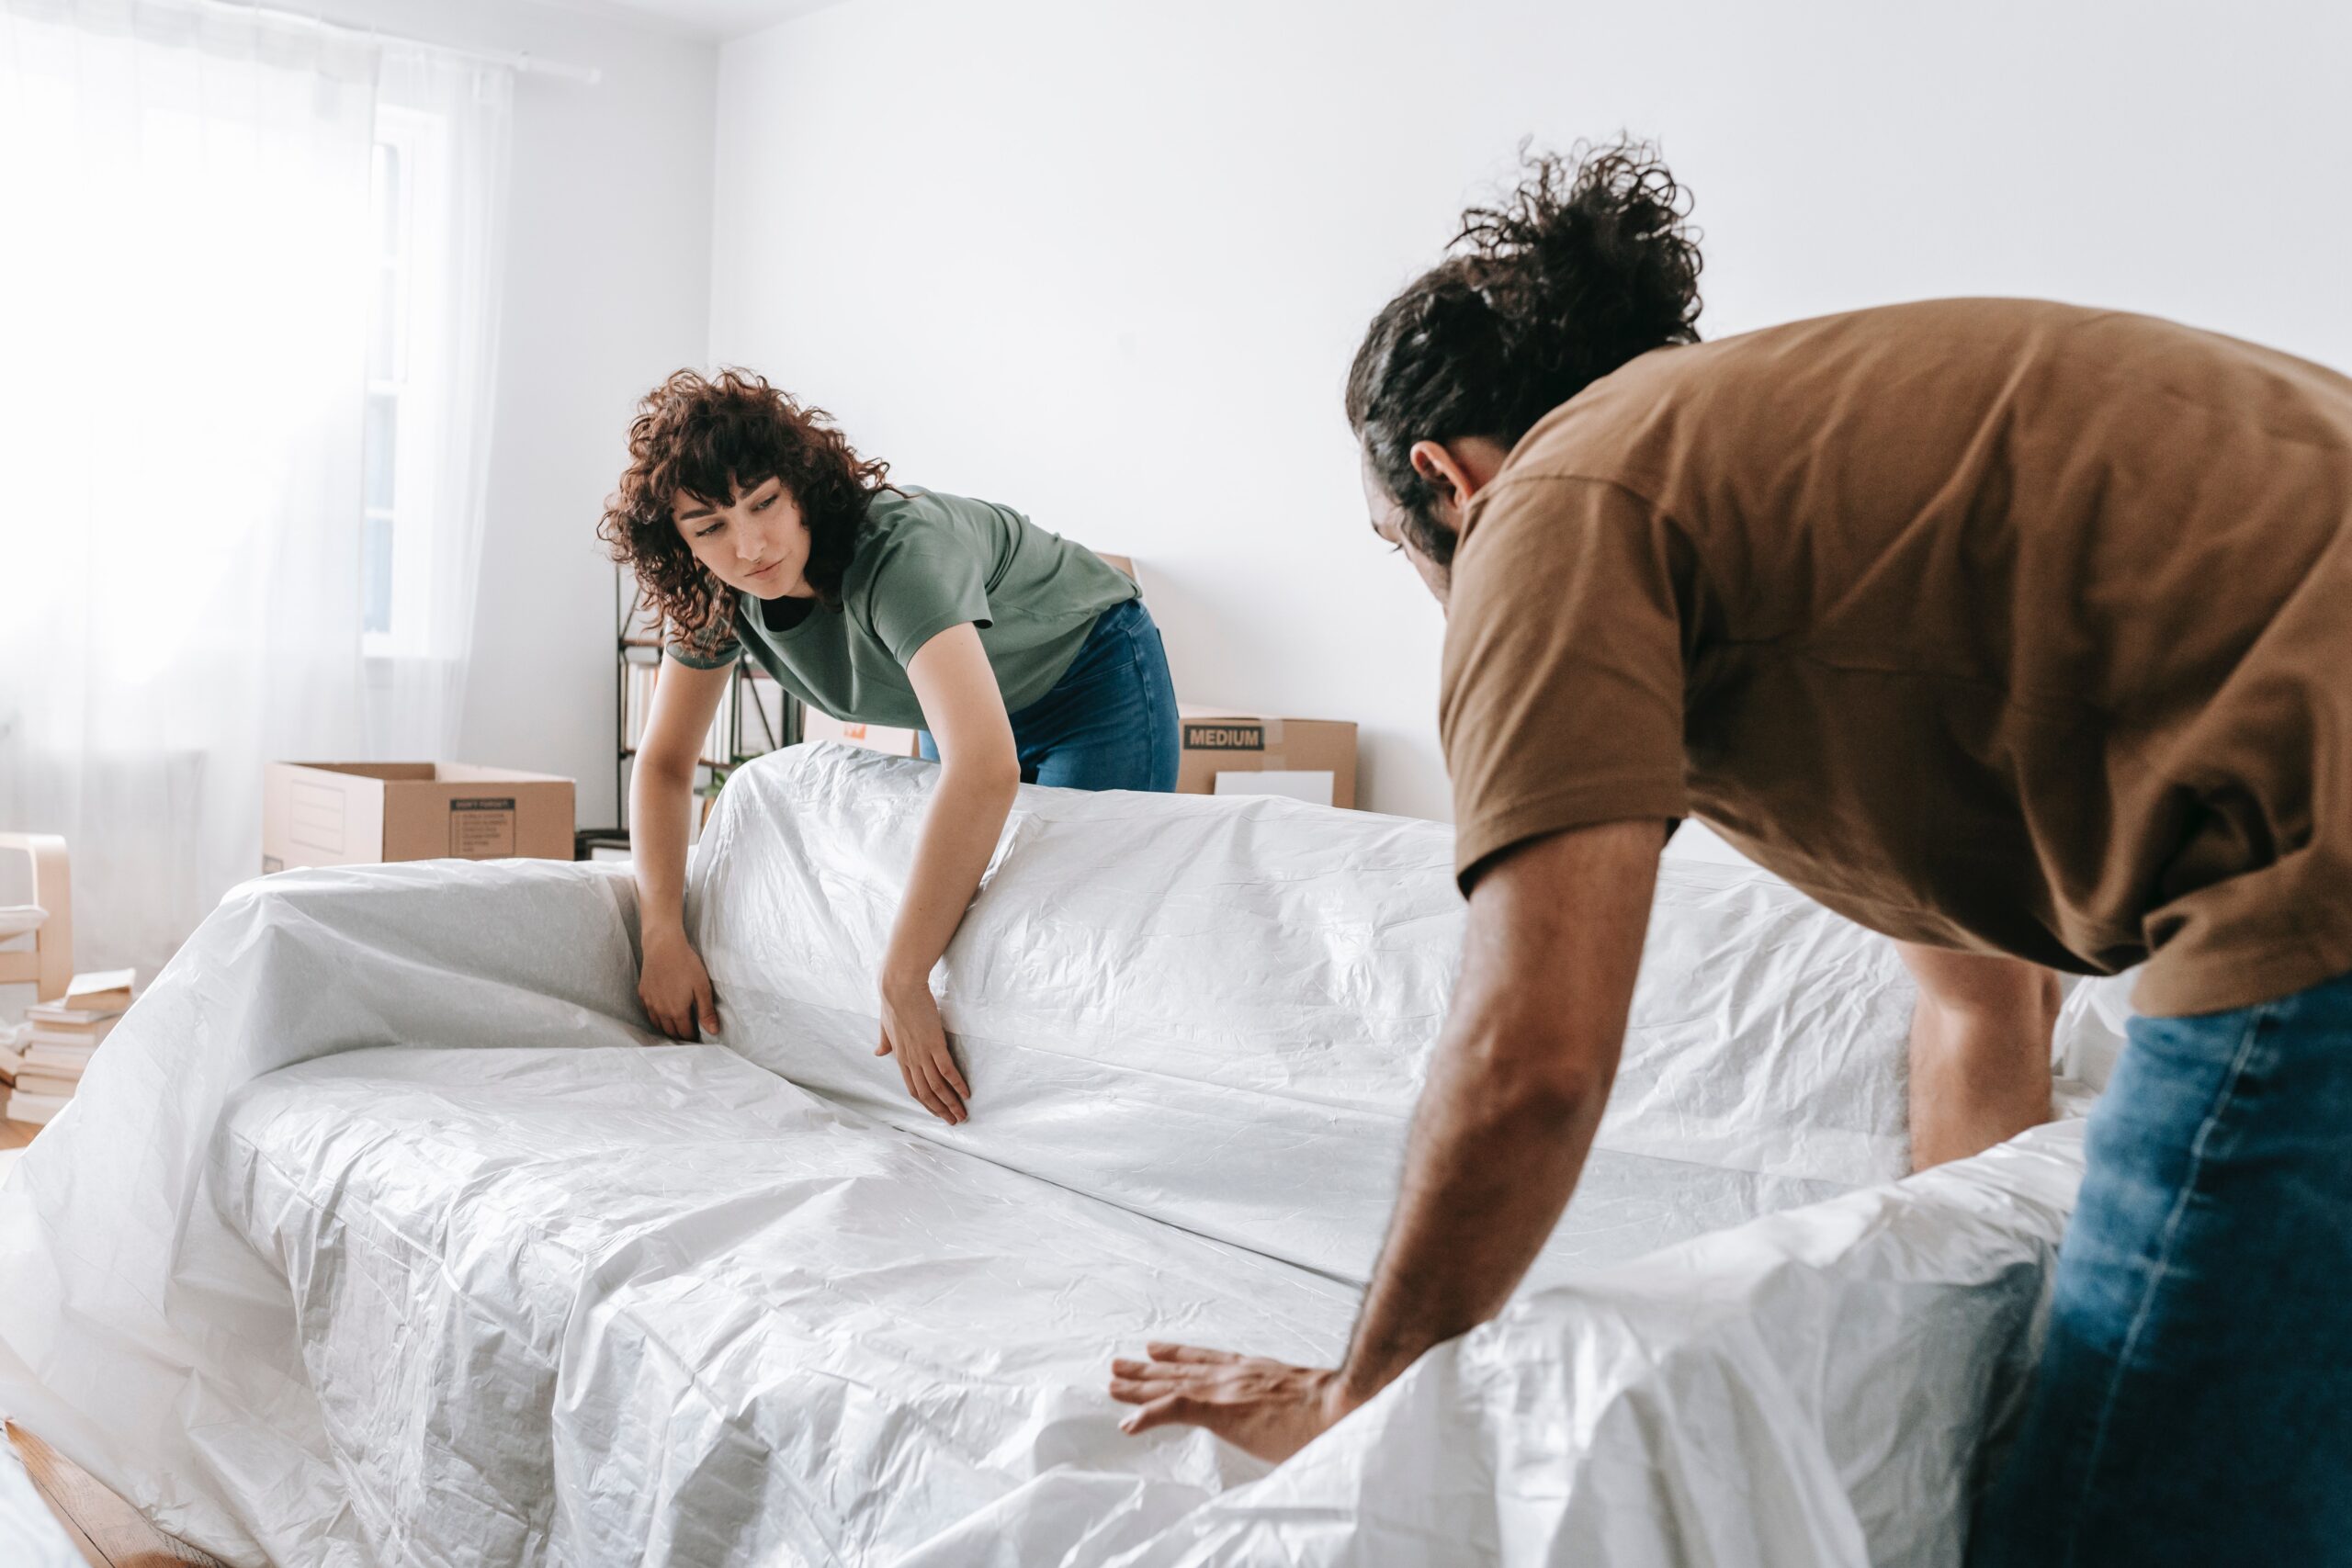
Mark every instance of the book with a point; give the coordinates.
(55, 1058)
(69, 1034)
(101, 989)
(23, 1107)
(29, 1081)
(59, 1013)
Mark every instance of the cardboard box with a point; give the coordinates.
(1223, 740)
(815, 726)
(363, 813)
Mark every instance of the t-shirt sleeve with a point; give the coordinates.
(1561, 700)
(713, 648)
(922, 588)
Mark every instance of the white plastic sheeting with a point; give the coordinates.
(2092, 1027)
(1813, 1390)
(1219, 1012)
(484, 1280)
(630, 1306)
(139, 1334)
(31, 1536)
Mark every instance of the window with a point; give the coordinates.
(398, 456)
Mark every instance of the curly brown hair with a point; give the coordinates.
(708, 438)
(1589, 264)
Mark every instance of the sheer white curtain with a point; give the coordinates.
(244, 378)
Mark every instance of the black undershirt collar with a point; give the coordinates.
(784, 614)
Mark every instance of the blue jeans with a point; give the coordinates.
(1110, 721)
(2194, 1404)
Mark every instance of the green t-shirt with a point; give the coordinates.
(926, 562)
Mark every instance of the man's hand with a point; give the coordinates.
(1267, 1408)
(911, 1027)
(1515, 1092)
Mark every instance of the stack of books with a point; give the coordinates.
(59, 1040)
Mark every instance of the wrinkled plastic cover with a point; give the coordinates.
(31, 1536)
(377, 1235)
(1824, 1388)
(1220, 1012)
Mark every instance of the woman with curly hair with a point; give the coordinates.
(2018, 631)
(753, 527)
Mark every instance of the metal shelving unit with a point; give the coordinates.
(758, 717)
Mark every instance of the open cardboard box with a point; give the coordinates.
(361, 813)
(1235, 742)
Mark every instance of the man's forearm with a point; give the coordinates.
(1490, 1166)
(1515, 1092)
(1514, 1097)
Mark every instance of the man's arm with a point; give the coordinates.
(1515, 1093)
(1980, 1050)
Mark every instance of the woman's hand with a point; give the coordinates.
(676, 987)
(912, 1029)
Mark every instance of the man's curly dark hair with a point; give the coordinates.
(1590, 263)
(708, 438)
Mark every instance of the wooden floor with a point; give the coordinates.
(109, 1532)
(17, 1134)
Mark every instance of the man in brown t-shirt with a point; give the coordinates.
(2019, 632)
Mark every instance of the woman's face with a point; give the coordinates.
(757, 544)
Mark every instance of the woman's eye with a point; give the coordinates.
(762, 506)
(706, 533)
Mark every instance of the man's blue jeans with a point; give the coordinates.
(2194, 1404)
(1110, 721)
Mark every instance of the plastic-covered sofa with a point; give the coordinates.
(382, 1231)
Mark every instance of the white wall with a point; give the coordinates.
(608, 290)
(1107, 259)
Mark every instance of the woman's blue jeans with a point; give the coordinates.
(2194, 1403)
(1110, 721)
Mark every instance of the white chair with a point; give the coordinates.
(49, 965)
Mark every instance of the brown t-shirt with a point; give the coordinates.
(1991, 623)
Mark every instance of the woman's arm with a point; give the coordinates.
(672, 981)
(979, 771)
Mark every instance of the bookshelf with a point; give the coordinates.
(754, 717)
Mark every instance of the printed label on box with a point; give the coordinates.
(481, 829)
(1225, 737)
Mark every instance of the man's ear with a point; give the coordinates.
(1456, 480)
